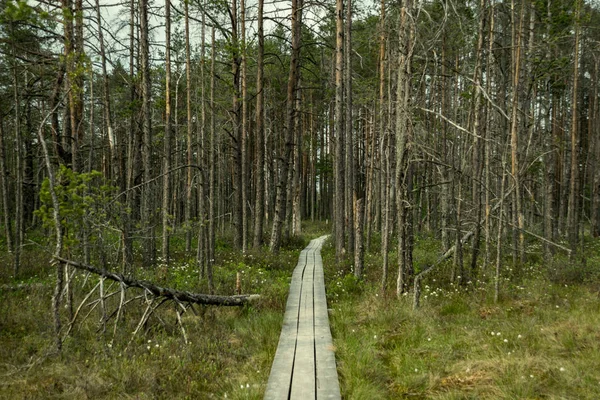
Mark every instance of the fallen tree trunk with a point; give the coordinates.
(168, 293)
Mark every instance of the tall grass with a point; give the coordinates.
(540, 341)
(229, 353)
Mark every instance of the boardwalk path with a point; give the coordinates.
(304, 365)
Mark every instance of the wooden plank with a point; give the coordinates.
(328, 386)
(303, 379)
(304, 364)
(278, 386)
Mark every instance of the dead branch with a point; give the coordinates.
(167, 293)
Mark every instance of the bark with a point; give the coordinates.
(133, 144)
(349, 134)
(58, 289)
(188, 103)
(488, 146)
(146, 212)
(403, 142)
(358, 230)
(238, 183)
(5, 189)
(244, 132)
(297, 182)
(212, 168)
(19, 167)
(572, 214)
(205, 245)
(259, 210)
(167, 138)
(594, 121)
(514, 139)
(476, 166)
(499, 243)
(339, 227)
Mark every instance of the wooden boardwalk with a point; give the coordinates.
(304, 364)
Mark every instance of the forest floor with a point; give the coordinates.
(542, 340)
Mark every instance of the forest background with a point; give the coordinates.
(448, 140)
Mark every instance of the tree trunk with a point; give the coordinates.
(213, 161)
(19, 167)
(167, 138)
(244, 133)
(572, 215)
(358, 230)
(349, 134)
(238, 183)
(403, 143)
(594, 121)
(260, 151)
(147, 215)
(281, 189)
(5, 189)
(518, 218)
(476, 161)
(339, 135)
(190, 154)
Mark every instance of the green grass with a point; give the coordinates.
(229, 354)
(545, 341)
(540, 341)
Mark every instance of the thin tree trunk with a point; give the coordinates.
(59, 235)
(349, 134)
(514, 140)
(477, 168)
(594, 121)
(282, 183)
(499, 239)
(260, 142)
(403, 143)
(488, 146)
(358, 230)
(167, 138)
(296, 171)
(237, 217)
(339, 135)
(147, 216)
(213, 160)
(5, 189)
(243, 153)
(572, 215)
(188, 90)
(19, 167)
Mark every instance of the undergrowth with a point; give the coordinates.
(229, 350)
(541, 340)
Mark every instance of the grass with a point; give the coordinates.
(540, 341)
(229, 354)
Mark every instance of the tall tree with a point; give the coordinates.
(349, 135)
(167, 137)
(290, 115)
(188, 104)
(259, 131)
(146, 213)
(572, 209)
(403, 144)
(339, 223)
